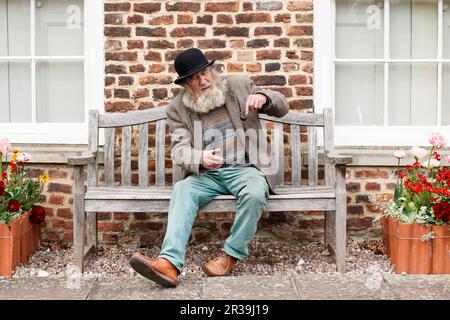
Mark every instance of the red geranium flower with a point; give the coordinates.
(13, 205)
(2, 188)
(37, 215)
(416, 187)
(442, 211)
(13, 168)
(437, 156)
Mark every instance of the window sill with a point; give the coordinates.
(43, 153)
(362, 156)
(375, 156)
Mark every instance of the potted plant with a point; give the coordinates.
(20, 214)
(416, 222)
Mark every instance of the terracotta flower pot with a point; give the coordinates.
(385, 226)
(441, 250)
(393, 240)
(414, 254)
(411, 253)
(17, 243)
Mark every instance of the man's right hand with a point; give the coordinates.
(210, 159)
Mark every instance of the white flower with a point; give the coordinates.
(419, 153)
(399, 154)
(437, 140)
(433, 164)
(5, 145)
(24, 157)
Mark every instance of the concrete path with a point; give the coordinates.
(299, 287)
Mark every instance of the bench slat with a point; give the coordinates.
(143, 154)
(330, 170)
(93, 147)
(130, 118)
(278, 149)
(299, 118)
(219, 205)
(132, 192)
(167, 189)
(167, 195)
(312, 156)
(177, 173)
(296, 155)
(160, 152)
(126, 156)
(109, 156)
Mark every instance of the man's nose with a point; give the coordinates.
(204, 80)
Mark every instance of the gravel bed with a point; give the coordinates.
(267, 257)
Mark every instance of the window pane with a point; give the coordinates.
(359, 29)
(59, 27)
(60, 91)
(446, 95)
(412, 94)
(446, 29)
(15, 97)
(359, 94)
(14, 27)
(414, 29)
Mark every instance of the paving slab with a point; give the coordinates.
(420, 287)
(308, 287)
(250, 287)
(144, 289)
(343, 287)
(44, 289)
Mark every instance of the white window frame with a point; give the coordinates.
(65, 133)
(324, 83)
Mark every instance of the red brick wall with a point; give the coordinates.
(269, 40)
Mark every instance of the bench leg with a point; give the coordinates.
(92, 239)
(341, 219)
(330, 234)
(78, 217)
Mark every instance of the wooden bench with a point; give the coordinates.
(90, 197)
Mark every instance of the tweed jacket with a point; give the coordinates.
(186, 129)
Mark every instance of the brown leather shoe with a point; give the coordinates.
(160, 270)
(220, 266)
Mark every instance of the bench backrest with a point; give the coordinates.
(127, 137)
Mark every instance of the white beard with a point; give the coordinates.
(206, 102)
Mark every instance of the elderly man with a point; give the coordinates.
(207, 119)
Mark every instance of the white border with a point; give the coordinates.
(70, 133)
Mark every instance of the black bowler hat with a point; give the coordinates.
(190, 62)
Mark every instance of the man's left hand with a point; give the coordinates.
(255, 102)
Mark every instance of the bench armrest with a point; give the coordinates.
(338, 158)
(86, 158)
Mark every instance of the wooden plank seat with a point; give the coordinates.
(156, 199)
(151, 190)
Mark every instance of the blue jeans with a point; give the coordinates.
(247, 184)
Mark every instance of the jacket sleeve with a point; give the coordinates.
(182, 152)
(277, 104)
